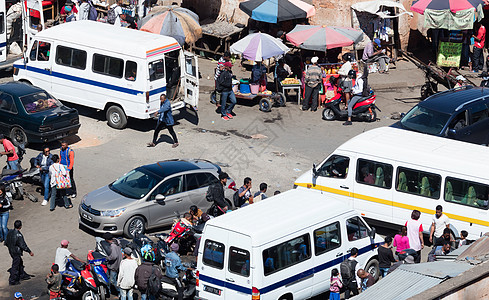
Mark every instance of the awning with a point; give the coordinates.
(375, 7)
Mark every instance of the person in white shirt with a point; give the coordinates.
(118, 13)
(62, 256)
(84, 10)
(125, 279)
(55, 168)
(439, 223)
(415, 234)
(357, 92)
(345, 81)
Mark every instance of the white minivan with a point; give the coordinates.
(281, 248)
(121, 71)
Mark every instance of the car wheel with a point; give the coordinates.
(116, 117)
(134, 226)
(18, 136)
(328, 114)
(265, 105)
(373, 268)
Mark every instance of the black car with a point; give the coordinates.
(461, 114)
(30, 114)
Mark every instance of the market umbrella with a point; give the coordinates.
(453, 5)
(320, 38)
(175, 22)
(259, 46)
(273, 11)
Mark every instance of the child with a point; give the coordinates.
(463, 238)
(335, 285)
(54, 282)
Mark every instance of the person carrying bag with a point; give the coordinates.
(60, 181)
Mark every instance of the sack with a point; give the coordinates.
(62, 181)
(92, 12)
(154, 284)
(347, 271)
(111, 16)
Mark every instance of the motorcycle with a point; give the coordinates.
(103, 247)
(98, 265)
(12, 179)
(78, 281)
(184, 235)
(169, 291)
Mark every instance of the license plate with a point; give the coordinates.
(85, 216)
(212, 290)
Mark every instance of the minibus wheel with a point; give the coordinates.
(116, 117)
(373, 268)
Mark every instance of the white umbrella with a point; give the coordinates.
(259, 46)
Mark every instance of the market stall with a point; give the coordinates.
(217, 37)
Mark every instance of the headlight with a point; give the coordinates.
(112, 213)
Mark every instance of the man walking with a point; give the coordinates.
(67, 158)
(349, 272)
(12, 158)
(244, 193)
(215, 193)
(386, 258)
(415, 234)
(439, 222)
(260, 195)
(43, 161)
(479, 41)
(127, 270)
(165, 119)
(113, 260)
(313, 80)
(16, 246)
(225, 87)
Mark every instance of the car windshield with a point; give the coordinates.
(136, 184)
(425, 120)
(38, 102)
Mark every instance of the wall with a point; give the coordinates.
(477, 290)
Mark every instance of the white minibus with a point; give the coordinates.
(121, 71)
(386, 173)
(283, 248)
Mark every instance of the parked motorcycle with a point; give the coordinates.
(103, 247)
(98, 266)
(170, 292)
(78, 281)
(12, 179)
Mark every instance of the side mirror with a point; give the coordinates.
(160, 199)
(452, 133)
(372, 233)
(314, 171)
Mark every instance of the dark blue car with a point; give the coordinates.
(29, 114)
(461, 114)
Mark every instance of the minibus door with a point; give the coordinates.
(32, 17)
(190, 80)
(3, 32)
(238, 270)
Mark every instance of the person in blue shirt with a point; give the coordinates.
(165, 119)
(173, 265)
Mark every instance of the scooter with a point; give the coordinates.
(364, 109)
(98, 265)
(103, 247)
(12, 179)
(169, 291)
(78, 281)
(183, 235)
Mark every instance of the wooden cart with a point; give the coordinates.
(217, 37)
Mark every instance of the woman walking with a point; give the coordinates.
(58, 175)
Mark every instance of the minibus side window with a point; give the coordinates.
(356, 229)
(71, 57)
(466, 193)
(156, 70)
(336, 167)
(2, 21)
(33, 53)
(107, 65)
(327, 238)
(239, 261)
(286, 254)
(44, 51)
(213, 254)
(374, 173)
(418, 183)
(131, 70)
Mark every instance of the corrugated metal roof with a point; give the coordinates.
(479, 250)
(438, 269)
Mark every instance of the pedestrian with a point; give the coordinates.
(165, 120)
(225, 87)
(439, 222)
(349, 273)
(215, 193)
(313, 80)
(401, 240)
(113, 260)
(463, 238)
(12, 158)
(415, 234)
(357, 92)
(18, 296)
(260, 195)
(367, 279)
(125, 279)
(173, 265)
(16, 246)
(446, 236)
(282, 71)
(335, 285)
(84, 10)
(54, 280)
(43, 161)
(69, 14)
(196, 213)
(62, 256)
(117, 7)
(5, 207)
(72, 8)
(67, 158)
(244, 193)
(57, 172)
(373, 52)
(144, 271)
(386, 258)
(345, 82)
(220, 66)
(479, 41)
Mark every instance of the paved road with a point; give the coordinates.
(273, 147)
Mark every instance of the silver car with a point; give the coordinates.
(150, 196)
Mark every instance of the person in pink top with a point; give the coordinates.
(12, 158)
(415, 234)
(335, 285)
(401, 240)
(479, 41)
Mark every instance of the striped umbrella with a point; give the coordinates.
(274, 11)
(453, 5)
(259, 46)
(173, 21)
(320, 38)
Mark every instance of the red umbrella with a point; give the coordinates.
(320, 38)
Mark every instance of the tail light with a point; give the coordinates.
(232, 186)
(255, 294)
(197, 278)
(147, 97)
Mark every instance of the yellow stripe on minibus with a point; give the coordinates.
(390, 203)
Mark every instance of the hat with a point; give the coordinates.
(64, 243)
(377, 41)
(127, 251)
(174, 247)
(18, 295)
(314, 59)
(460, 78)
(228, 64)
(108, 236)
(409, 259)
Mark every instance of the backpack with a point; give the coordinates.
(238, 201)
(154, 284)
(92, 12)
(347, 271)
(111, 16)
(209, 196)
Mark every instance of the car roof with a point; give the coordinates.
(453, 100)
(281, 215)
(169, 167)
(19, 88)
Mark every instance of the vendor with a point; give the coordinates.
(282, 71)
(374, 53)
(259, 74)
